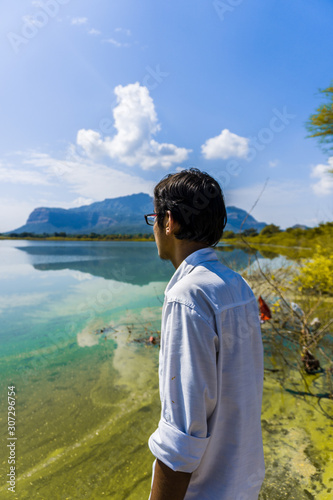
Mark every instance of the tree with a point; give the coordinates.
(250, 232)
(228, 234)
(269, 230)
(320, 124)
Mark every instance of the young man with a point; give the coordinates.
(208, 444)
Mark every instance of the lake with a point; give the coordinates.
(76, 318)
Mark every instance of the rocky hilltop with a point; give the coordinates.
(122, 215)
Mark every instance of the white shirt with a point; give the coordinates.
(211, 381)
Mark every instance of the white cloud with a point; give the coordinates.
(116, 43)
(78, 202)
(91, 142)
(273, 163)
(92, 31)
(135, 121)
(13, 175)
(324, 186)
(125, 31)
(79, 275)
(21, 300)
(79, 20)
(76, 179)
(87, 178)
(225, 145)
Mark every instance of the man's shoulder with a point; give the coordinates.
(210, 287)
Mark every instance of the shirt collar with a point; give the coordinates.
(191, 261)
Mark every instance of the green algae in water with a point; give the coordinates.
(298, 444)
(85, 418)
(88, 438)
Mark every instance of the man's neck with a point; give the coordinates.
(183, 250)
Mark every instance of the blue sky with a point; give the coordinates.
(101, 99)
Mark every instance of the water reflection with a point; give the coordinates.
(127, 262)
(137, 263)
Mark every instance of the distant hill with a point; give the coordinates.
(111, 216)
(299, 226)
(123, 215)
(235, 218)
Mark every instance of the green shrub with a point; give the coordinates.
(316, 275)
(228, 234)
(270, 229)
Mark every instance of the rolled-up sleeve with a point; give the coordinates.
(188, 387)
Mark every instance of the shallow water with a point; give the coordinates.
(87, 401)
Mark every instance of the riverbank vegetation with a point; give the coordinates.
(271, 235)
(297, 237)
(298, 335)
(63, 236)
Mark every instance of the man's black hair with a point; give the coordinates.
(196, 201)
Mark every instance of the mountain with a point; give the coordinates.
(299, 226)
(235, 218)
(122, 215)
(113, 215)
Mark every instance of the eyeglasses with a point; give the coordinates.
(150, 219)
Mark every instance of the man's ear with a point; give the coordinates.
(168, 221)
(171, 224)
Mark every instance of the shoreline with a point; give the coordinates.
(236, 243)
(56, 238)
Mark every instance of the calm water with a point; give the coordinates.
(75, 319)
